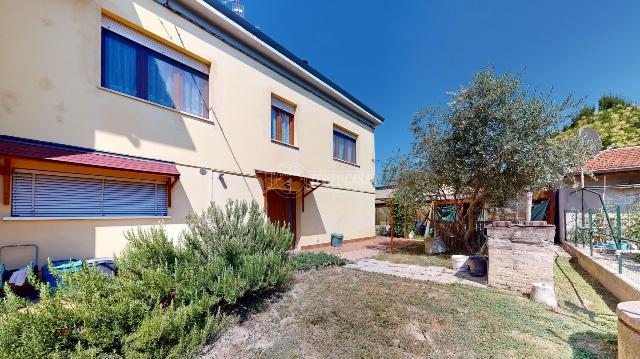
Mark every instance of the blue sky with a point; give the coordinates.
(400, 56)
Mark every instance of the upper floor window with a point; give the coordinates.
(344, 146)
(282, 123)
(139, 66)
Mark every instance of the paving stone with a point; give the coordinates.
(433, 274)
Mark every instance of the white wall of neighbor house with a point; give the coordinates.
(50, 91)
(617, 188)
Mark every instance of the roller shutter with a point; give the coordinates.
(52, 195)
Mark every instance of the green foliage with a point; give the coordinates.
(404, 216)
(587, 111)
(170, 332)
(611, 101)
(166, 300)
(239, 247)
(492, 142)
(309, 260)
(631, 224)
(617, 122)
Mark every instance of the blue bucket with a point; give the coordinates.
(64, 266)
(336, 239)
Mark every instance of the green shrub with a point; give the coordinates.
(611, 101)
(239, 248)
(166, 301)
(171, 332)
(310, 260)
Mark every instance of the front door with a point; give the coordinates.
(281, 208)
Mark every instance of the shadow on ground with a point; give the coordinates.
(581, 297)
(590, 345)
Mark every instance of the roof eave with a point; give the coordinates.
(614, 170)
(218, 15)
(607, 170)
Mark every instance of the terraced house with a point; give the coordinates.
(118, 114)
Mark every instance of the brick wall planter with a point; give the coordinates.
(520, 255)
(620, 286)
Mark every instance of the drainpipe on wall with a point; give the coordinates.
(604, 189)
(529, 205)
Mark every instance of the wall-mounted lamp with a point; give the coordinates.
(221, 178)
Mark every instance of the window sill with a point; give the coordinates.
(80, 218)
(155, 104)
(285, 144)
(346, 163)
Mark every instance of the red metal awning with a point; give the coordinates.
(47, 151)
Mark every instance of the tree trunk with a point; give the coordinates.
(470, 225)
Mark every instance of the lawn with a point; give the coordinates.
(414, 254)
(342, 313)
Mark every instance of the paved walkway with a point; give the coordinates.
(354, 251)
(560, 252)
(433, 274)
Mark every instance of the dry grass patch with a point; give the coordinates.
(342, 313)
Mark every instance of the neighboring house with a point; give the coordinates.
(118, 114)
(383, 195)
(615, 176)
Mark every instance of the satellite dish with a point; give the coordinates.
(591, 136)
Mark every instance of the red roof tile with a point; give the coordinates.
(23, 148)
(615, 160)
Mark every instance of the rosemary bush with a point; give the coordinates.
(168, 298)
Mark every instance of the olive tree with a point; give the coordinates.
(491, 142)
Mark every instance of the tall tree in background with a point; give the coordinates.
(493, 141)
(616, 120)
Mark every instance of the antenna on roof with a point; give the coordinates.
(592, 136)
(236, 6)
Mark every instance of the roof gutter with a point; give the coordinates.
(616, 170)
(610, 170)
(210, 16)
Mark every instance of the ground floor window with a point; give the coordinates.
(52, 194)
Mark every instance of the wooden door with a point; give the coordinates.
(281, 208)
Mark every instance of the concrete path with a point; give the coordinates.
(433, 274)
(361, 249)
(560, 252)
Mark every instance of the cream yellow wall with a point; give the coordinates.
(50, 71)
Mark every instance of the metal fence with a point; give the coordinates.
(604, 234)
